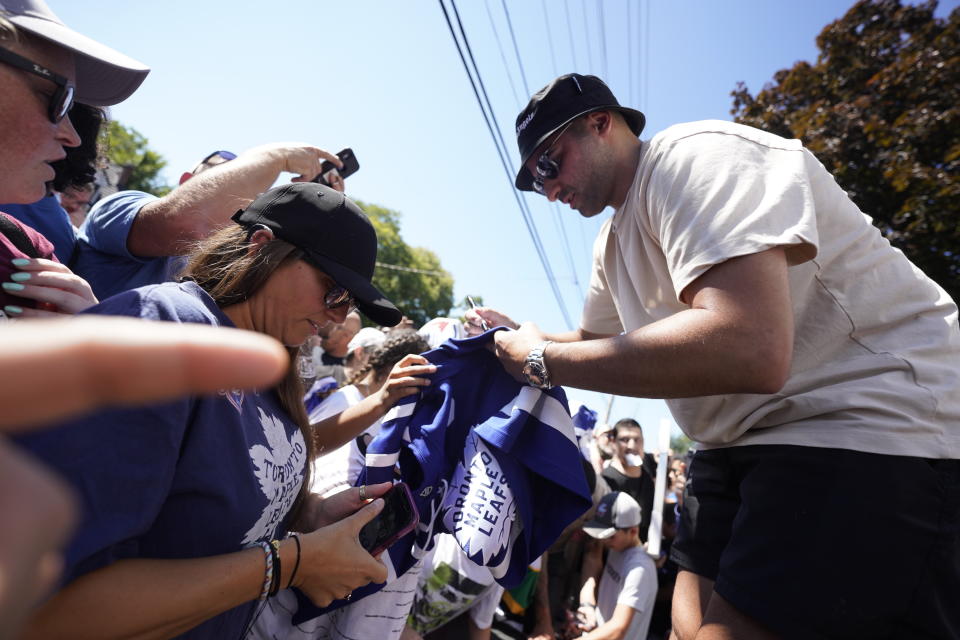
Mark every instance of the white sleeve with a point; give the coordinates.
(483, 608)
(599, 310)
(719, 194)
(637, 586)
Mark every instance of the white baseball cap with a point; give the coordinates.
(367, 338)
(104, 76)
(617, 510)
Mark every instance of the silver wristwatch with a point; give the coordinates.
(535, 369)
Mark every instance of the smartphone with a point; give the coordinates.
(350, 167)
(398, 518)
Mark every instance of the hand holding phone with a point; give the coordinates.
(350, 167)
(398, 518)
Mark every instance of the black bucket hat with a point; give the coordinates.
(334, 235)
(566, 98)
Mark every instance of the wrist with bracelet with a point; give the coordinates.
(273, 569)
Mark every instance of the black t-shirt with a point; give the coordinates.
(328, 359)
(640, 488)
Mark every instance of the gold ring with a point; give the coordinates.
(363, 492)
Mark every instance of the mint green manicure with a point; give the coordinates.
(12, 286)
(13, 309)
(20, 262)
(20, 277)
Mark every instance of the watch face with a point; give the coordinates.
(533, 374)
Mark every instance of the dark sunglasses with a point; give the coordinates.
(62, 98)
(547, 167)
(336, 296)
(226, 155)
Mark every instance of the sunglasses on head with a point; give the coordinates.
(62, 98)
(548, 168)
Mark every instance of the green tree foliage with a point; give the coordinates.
(680, 444)
(411, 277)
(881, 110)
(125, 146)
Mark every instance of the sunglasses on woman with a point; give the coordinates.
(62, 98)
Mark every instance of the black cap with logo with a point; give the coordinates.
(564, 99)
(334, 235)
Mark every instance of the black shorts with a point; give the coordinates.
(827, 543)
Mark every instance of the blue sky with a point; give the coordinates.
(384, 78)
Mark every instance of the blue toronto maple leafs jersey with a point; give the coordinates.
(489, 460)
(196, 477)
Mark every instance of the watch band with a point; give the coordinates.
(535, 369)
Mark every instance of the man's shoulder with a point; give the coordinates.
(718, 132)
(120, 207)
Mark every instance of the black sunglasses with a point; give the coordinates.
(62, 98)
(547, 167)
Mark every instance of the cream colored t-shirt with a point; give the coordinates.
(876, 343)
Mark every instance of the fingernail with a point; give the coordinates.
(13, 309)
(12, 286)
(20, 277)
(20, 262)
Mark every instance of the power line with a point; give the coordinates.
(546, 20)
(646, 62)
(573, 49)
(586, 37)
(503, 56)
(516, 49)
(500, 145)
(602, 27)
(633, 95)
(397, 267)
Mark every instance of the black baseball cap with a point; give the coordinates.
(566, 98)
(334, 235)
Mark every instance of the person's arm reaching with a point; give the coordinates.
(615, 628)
(405, 379)
(204, 203)
(735, 337)
(147, 598)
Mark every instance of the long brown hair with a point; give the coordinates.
(224, 266)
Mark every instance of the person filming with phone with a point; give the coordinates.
(131, 238)
(187, 504)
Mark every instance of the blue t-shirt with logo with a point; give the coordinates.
(196, 477)
(103, 258)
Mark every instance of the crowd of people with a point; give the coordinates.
(200, 426)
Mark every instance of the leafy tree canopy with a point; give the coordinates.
(125, 146)
(881, 110)
(411, 277)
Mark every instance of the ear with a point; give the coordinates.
(600, 121)
(259, 238)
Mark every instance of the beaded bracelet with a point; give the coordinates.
(268, 574)
(275, 582)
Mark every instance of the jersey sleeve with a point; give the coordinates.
(717, 195)
(108, 224)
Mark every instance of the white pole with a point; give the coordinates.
(660, 489)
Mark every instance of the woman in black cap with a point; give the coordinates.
(187, 505)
